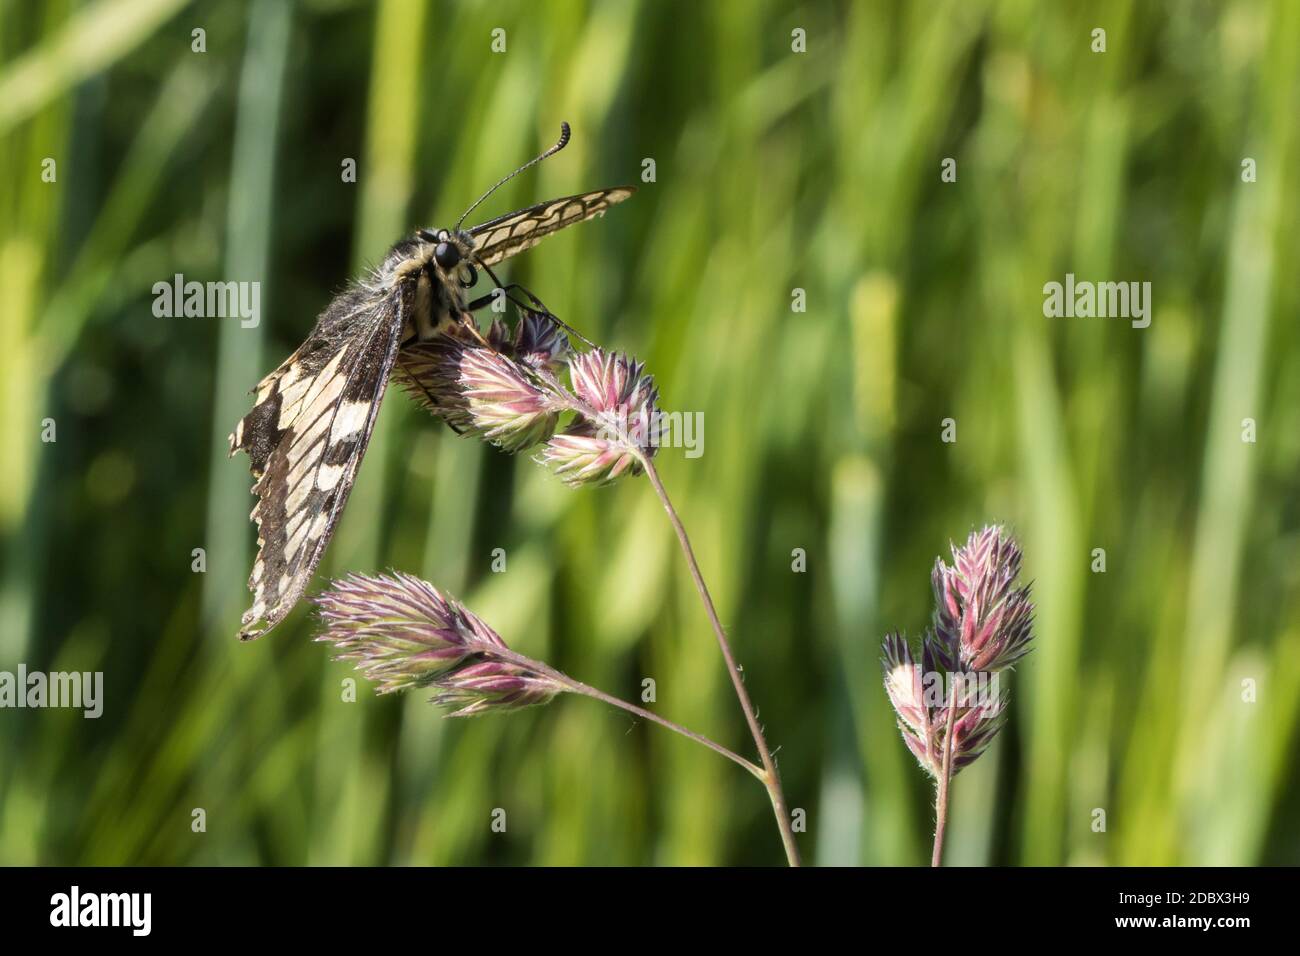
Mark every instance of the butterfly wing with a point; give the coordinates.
(305, 438)
(506, 235)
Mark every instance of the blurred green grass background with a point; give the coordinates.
(775, 171)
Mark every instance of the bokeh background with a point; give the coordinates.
(775, 170)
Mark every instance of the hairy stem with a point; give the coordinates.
(945, 781)
(770, 778)
(578, 687)
(581, 688)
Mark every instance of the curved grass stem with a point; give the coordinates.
(770, 777)
(586, 690)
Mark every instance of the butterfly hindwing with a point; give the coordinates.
(507, 235)
(305, 438)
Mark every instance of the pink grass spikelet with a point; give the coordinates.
(981, 621)
(402, 632)
(617, 414)
(481, 391)
(492, 685)
(950, 705)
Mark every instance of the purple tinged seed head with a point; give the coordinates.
(402, 632)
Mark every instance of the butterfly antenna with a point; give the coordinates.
(563, 141)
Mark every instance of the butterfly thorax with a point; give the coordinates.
(438, 263)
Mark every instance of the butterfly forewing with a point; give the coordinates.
(305, 438)
(513, 233)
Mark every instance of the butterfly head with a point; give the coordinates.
(451, 255)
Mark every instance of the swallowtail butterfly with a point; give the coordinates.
(313, 415)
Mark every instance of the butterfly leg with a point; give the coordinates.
(537, 304)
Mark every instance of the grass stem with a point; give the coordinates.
(945, 780)
(770, 777)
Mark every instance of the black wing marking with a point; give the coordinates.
(305, 439)
(503, 237)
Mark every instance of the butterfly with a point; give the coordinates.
(313, 416)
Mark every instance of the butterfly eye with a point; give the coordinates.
(446, 254)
